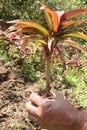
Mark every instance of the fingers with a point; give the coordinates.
(31, 108)
(56, 95)
(54, 92)
(36, 99)
(32, 117)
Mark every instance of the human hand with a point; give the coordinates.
(52, 114)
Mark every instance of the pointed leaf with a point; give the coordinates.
(31, 40)
(36, 46)
(74, 44)
(48, 20)
(47, 16)
(76, 34)
(51, 18)
(29, 25)
(69, 23)
(39, 42)
(73, 13)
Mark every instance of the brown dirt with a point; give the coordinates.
(14, 93)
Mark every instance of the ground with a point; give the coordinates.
(14, 93)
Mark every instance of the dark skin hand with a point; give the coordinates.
(56, 113)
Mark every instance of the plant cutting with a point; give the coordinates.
(30, 36)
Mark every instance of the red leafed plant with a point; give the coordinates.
(33, 36)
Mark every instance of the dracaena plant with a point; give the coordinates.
(47, 39)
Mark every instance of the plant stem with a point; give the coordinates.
(48, 74)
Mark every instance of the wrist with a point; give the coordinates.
(84, 116)
(84, 121)
(80, 121)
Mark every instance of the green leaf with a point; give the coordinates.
(47, 16)
(38, 43)
(29, 26)
(76, 45)
(36, 46)
(32, 40)
(76, 34)
(51, 18)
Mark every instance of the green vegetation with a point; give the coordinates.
(15, 127)
(28, 9)
(75, 80)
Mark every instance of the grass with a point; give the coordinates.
(74, 78)
(14, 126)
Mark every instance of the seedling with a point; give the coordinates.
(30, 36)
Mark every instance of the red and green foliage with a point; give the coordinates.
(30, 36)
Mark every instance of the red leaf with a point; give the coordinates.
(73, 13)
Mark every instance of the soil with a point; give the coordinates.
(14, 93)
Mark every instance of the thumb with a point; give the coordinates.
(56, 94)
